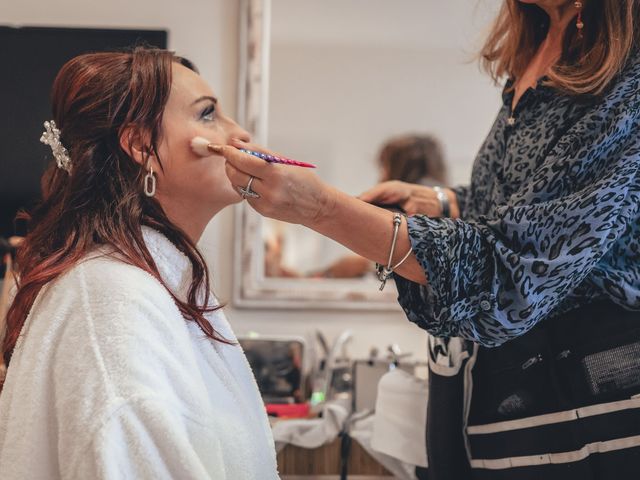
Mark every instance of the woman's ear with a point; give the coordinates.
(133, 143)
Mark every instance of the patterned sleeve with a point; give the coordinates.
(492, 278)
(462, 196)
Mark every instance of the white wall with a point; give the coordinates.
(206, 31)
(365, 70)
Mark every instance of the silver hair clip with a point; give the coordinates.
(51, 137)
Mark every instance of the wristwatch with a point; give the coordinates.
(444, 201)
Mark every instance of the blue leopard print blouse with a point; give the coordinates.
(550, 221)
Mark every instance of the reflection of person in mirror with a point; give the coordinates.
(416, 159)
(533, 270)
(273, 264)
(406, 161)
(7, 274)
(121, 363)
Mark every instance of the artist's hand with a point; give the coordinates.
(287, 193)
(413, 199)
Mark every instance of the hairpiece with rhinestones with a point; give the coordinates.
(51, 137)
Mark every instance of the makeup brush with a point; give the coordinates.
(201, 146)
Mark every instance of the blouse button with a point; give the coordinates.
(485, 305)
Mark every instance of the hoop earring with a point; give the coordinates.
(150, 183)
(579, 22)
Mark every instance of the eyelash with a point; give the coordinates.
(209, 111)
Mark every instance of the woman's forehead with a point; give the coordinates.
(187, 86)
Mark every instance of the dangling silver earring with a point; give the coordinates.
(579, 23)
(150, 183)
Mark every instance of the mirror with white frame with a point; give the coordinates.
(329, 83)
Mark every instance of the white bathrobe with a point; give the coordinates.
(109, 381)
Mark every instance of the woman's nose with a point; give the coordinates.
(239, 133)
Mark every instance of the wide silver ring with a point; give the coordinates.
(247, 192)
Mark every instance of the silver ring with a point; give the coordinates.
(247, 192)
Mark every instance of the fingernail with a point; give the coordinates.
(216, 148)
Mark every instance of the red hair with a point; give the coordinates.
(96, 98)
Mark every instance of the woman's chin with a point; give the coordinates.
(222, 195)
(231, 197)
(234, 197)
(235, 201)
(229, 194)
(219, 204)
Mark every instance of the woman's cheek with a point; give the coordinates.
(213, 171)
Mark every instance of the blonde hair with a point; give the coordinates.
(588, 64)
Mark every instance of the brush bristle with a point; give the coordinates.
(200, 146)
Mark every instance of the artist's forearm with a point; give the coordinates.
(368, 231)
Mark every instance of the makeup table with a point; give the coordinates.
(334, 477)
(297, 463)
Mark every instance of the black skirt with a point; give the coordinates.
(560, 402)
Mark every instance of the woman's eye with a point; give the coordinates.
(208, 114)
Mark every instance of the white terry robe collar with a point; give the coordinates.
(173, 265)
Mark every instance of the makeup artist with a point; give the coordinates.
(537, 262)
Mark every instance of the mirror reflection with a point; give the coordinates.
(358, 98)
(411, 158)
